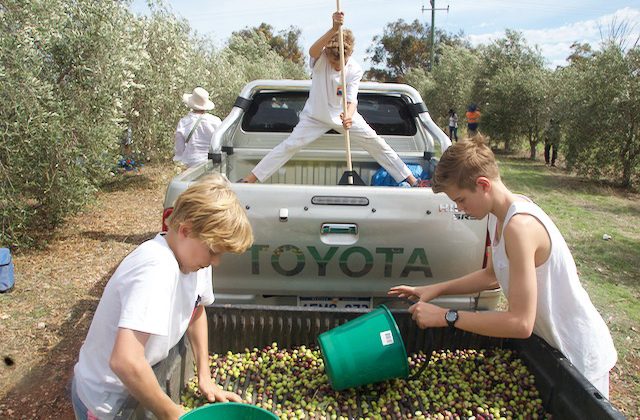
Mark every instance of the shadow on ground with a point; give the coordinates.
(129, 181)
(127, 239)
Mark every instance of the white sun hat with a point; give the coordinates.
(198, 100)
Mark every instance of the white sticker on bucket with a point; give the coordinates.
(386, 337)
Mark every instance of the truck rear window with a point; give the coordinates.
(278, 112)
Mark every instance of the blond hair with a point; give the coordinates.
(333, 46)
(462, 163)
(214, 214)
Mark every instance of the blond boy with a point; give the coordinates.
(156, 294)
(530, 261)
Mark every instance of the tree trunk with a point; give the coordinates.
(532, 150)
(628, 156)
(532, 145)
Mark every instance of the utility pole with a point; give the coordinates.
(433, 27)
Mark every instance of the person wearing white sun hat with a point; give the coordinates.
(195, 130)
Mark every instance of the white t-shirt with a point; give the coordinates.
(325, 97)
(147, 293)
(453, 121)
(565, 316)
(197, 149)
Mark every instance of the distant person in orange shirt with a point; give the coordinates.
(473, 118)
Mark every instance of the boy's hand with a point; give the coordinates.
(175, 414)
(213, 392)
(346, 122)
(428, 315)
(414, 294)
(338, 20)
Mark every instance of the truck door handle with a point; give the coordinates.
(339, 228)
(339, 234)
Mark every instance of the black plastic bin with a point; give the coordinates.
(565, 393)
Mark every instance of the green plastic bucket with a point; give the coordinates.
(229, 411)
(365, 350)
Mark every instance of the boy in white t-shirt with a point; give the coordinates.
(323, 111)
(530, 260)
(156, 294)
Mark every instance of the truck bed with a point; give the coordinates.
(565, 393)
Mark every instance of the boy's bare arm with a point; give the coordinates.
(523, 239)
(471, 283)
(318, 46)
(198, 337)
(128, 362)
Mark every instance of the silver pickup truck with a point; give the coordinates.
(321, 244)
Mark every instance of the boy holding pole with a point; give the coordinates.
(332, 104)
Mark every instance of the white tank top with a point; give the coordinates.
(565, 316)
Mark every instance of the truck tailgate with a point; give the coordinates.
(349, 241)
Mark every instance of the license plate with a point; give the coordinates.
(334, 302)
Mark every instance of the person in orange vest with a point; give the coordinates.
(473, 118)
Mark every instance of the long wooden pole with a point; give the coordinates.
(344, 99)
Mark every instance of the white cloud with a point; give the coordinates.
(555, 43)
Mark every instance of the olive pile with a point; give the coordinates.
(460, 384)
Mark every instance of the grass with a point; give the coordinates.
(584, 211)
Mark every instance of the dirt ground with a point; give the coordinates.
(45, 319)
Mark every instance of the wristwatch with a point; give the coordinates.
(451, 317)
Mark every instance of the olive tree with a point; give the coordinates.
(449, 84)
(75, 74)
(510, 89)
(62, 99)
(601, 113)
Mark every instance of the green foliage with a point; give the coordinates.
(601, 97)
(404, 47)
(58, 110)
(75, 74)
(285, 43)
(449, 84)
(511, 88)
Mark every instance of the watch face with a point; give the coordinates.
(451, 316)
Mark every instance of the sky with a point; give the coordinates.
(552, 25)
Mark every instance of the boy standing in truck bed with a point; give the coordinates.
(323, 111)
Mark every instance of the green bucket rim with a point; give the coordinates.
(396, 330)
(230, 403)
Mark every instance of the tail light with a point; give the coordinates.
(165, 215)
